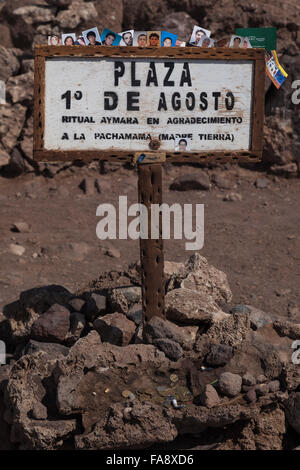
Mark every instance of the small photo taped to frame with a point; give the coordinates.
(68, 39)
(140, 38)
(206, 42)
(127, 38)
(153, 38)
(80, 41)
(246, 43)
(236, 42)
(168, 39)
(109, 38)
(197, 34)
(54, 40)
(92, 37)
(182, 144)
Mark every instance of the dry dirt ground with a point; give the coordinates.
(255, 240)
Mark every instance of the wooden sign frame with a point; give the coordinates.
(42, 52)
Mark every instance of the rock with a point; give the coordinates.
(40, 299)
(261, 379)
(171, 349)
(261, 389)
(12, 120)
(240, 308)
(5, 370)
(274, 386)
(59, 3)
(79, 12)
(76, 304)
(34, 14)
(21, 227)
(258, 318)
(233, 197)
(170, 268)
(4, 158)
(16, 164)
(77, 325)
(178, 22)
(262, 183)
(219, 355)
(287, 328)
(19, 89)
(52, 326)
(199, 276)
(248, 379)
(52, 350)
(158, 328)
(9, 64)
(292, 411)
(191, 308)
(209, 397)
(115, 328)
(251, 396)
(31, 381)
(27, 66)
(17, 250)
(95, 306)
(39, 411)
(232, 331)
(221, 181)
(193, 181)
(135, 313)
(230, 384)
(144, 426)
(287, 170)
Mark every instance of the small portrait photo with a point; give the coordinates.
(80, 41)
(92, 37)
(109, 38)
(182, 144)
(168, 39)
(206, 42)
(222, 42)
(236, 41)
(198, 34)
(68, 39)
(180, 43)
(127, 38)
(140, 38)
(153, 38)
(54, 40)
(246, 44)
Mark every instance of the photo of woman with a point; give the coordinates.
(68, 39)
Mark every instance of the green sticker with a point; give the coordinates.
(259, 37)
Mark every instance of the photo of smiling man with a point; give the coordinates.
(92, 37)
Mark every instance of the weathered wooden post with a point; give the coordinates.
(100, 102)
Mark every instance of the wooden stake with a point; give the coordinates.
(151, 251)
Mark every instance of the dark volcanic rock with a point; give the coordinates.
(219, 355)
(41, 298)
(52, 326)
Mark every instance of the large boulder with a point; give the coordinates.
(199, 276)
(191, 307)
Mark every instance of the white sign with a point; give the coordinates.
(115, 104)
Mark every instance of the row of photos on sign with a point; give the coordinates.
(199, 37)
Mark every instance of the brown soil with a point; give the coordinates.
(255, 241)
